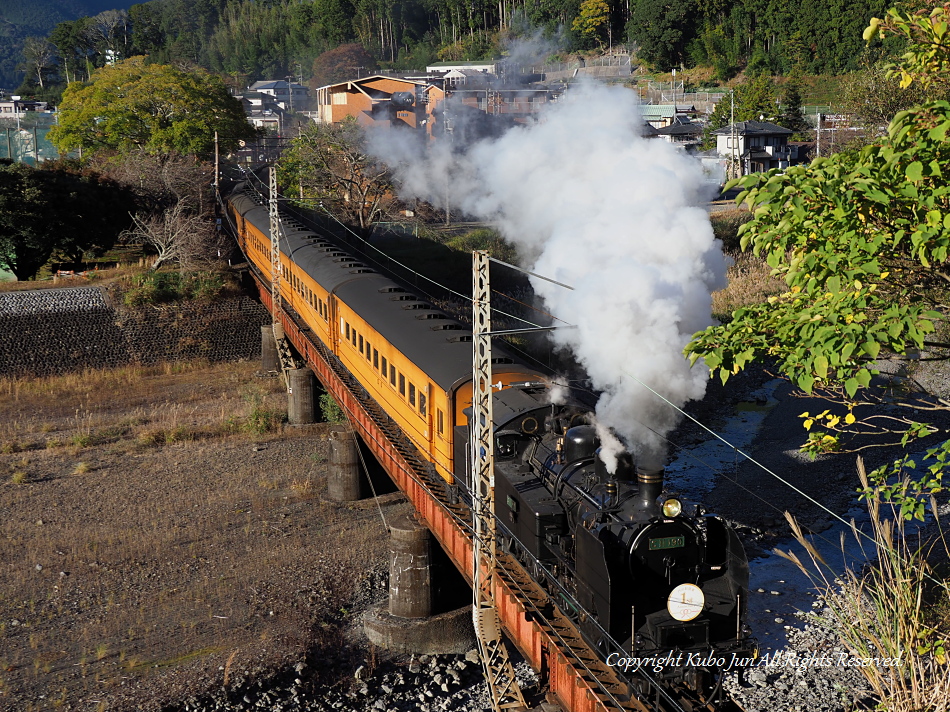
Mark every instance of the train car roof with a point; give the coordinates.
(427, 336)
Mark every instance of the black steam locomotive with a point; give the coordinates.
(652, 574)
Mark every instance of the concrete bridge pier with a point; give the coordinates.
(269, 359)
(410, 621)
(345, 481)
(301, 408)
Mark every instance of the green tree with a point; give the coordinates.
(750, 101)
(328, 165)
(156, 107)
(48, 210)
(792, 114)
(862, 240)
(662, 29)
(71, 39)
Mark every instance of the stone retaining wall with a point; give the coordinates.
(45, 332)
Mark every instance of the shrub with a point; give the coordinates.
(484, 239)
(331, 410)
(161, 287)
(726, 226)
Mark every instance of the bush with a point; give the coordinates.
(484, 239)
(331, 410)
(161, 287)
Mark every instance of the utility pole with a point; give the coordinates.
(734, 168)
(287, 362)
(499, 672)
(673, 87)
(217, 166)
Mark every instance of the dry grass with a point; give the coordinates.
(91, 278)
(190, 534)
(750, 282)
(895, 608)
(132, 406)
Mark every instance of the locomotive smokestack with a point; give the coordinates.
(650, 479)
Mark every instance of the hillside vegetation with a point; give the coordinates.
(37, 18)
(250, 40)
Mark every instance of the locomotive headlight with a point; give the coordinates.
(672, 508)
(685, 602)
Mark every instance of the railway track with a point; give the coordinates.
(548, 638)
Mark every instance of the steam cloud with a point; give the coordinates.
(591, 203)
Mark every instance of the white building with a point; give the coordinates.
(289, 97)
(756, 145)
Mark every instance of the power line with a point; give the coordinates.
(403, 266)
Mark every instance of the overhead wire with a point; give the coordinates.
(397, 262)
(755, 462)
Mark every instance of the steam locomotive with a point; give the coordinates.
(640, 573)
(644, 574)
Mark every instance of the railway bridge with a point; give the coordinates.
(573, 673)
(547, 639)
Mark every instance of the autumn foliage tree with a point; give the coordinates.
(344, 62)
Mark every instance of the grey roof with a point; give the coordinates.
(680, 128)
(422, 333)
(753, 128)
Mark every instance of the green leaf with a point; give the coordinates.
(915, 171)
(851, 387)
(805, 382)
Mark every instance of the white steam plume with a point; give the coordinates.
(591, 203)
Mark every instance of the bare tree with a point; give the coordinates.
(38, 56)
(111, 31)
(179, 235)
(161, 181)
(330, 163)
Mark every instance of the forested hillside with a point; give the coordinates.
(36, 18)
(254, 39)
(773, 36)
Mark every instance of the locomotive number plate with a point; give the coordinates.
(667, 542)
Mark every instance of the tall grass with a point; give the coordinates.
(896, 607)
(750, 282)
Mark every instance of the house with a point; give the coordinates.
(288, 96)
(754, 146)
(380, 100)
(682, 132)
(457, 78)
(660, 115)
(17, 107)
